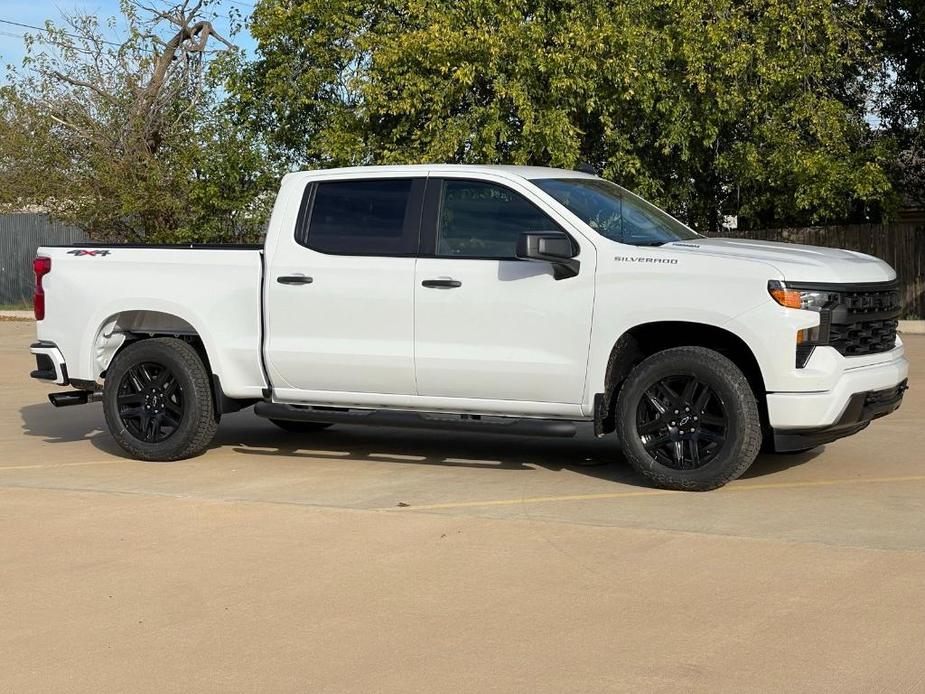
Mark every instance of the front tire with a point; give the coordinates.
(157, 399)
(688, 420)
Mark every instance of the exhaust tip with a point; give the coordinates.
(70, 397)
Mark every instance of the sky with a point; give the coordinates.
(35, 12)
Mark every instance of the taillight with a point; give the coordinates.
(41, 266)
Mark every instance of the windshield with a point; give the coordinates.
(614, 213)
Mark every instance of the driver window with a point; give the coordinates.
(484, 220)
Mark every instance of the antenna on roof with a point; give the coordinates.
(585, 167)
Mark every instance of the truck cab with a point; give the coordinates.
(511, 299)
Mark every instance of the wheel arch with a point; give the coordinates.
(122, 328)
(645, 339)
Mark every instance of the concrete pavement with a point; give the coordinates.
(361, 560)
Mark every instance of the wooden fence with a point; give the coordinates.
(901, 245)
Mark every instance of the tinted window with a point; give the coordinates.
(362, 218)
(483, 220)
(613, 213)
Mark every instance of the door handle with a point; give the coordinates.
(441, 284)
(294, 279)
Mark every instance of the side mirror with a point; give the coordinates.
(549, 247)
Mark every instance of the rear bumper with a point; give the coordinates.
(49, 363)
(861, 410)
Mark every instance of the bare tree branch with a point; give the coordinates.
(73, 81)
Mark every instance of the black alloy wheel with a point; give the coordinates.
(687, 419)
(150, 402)
(681, 422)
(158, 400)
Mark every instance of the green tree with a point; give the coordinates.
(902, 100)
(130, 140)
(710, 107)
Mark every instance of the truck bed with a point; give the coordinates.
(96, 293)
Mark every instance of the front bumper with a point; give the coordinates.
(49, 363)
(816, 409)
(861, 410)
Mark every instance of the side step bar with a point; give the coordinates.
(74, 397)
(414, 420)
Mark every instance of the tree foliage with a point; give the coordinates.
(710, 107)
(902, 100)
(128, 140)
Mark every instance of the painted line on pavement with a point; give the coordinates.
(651, 492)
(54, 465)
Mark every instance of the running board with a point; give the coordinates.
(418, 420)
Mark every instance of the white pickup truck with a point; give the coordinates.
(517, 300)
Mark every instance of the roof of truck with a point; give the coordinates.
(528, 172)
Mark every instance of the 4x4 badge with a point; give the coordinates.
(82, 251)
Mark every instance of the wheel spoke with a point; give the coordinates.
(687, 395)
(145, 375)
(649, 427)
(695, 453)
(132, 412)
(161, 378)
(678, 451)
(703, 398)
(655, 402)
(135, 379)
(655, 441)
(711, 436)
(667, 393)
(169, 384)
(130, 398)
(712, 420)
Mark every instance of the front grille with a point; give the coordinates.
(863, 318)
(863, 337)
(860, 302)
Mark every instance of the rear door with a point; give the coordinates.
(340, 291)
(489, 326)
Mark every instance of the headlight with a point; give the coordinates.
(806, 299)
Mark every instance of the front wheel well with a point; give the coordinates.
(644, 340)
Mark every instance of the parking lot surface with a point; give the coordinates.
(376, 560)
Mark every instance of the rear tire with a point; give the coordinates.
(688, 420)
(300, 427)
(157, 399)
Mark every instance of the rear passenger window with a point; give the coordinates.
(362, 218)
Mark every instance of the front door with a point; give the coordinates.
(340, 290)
(487, 325)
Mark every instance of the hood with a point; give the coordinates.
(795, 262)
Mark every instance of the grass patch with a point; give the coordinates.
(23, 306)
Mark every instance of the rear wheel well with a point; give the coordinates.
(129, 327)
(122, 329)
(644, 340)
